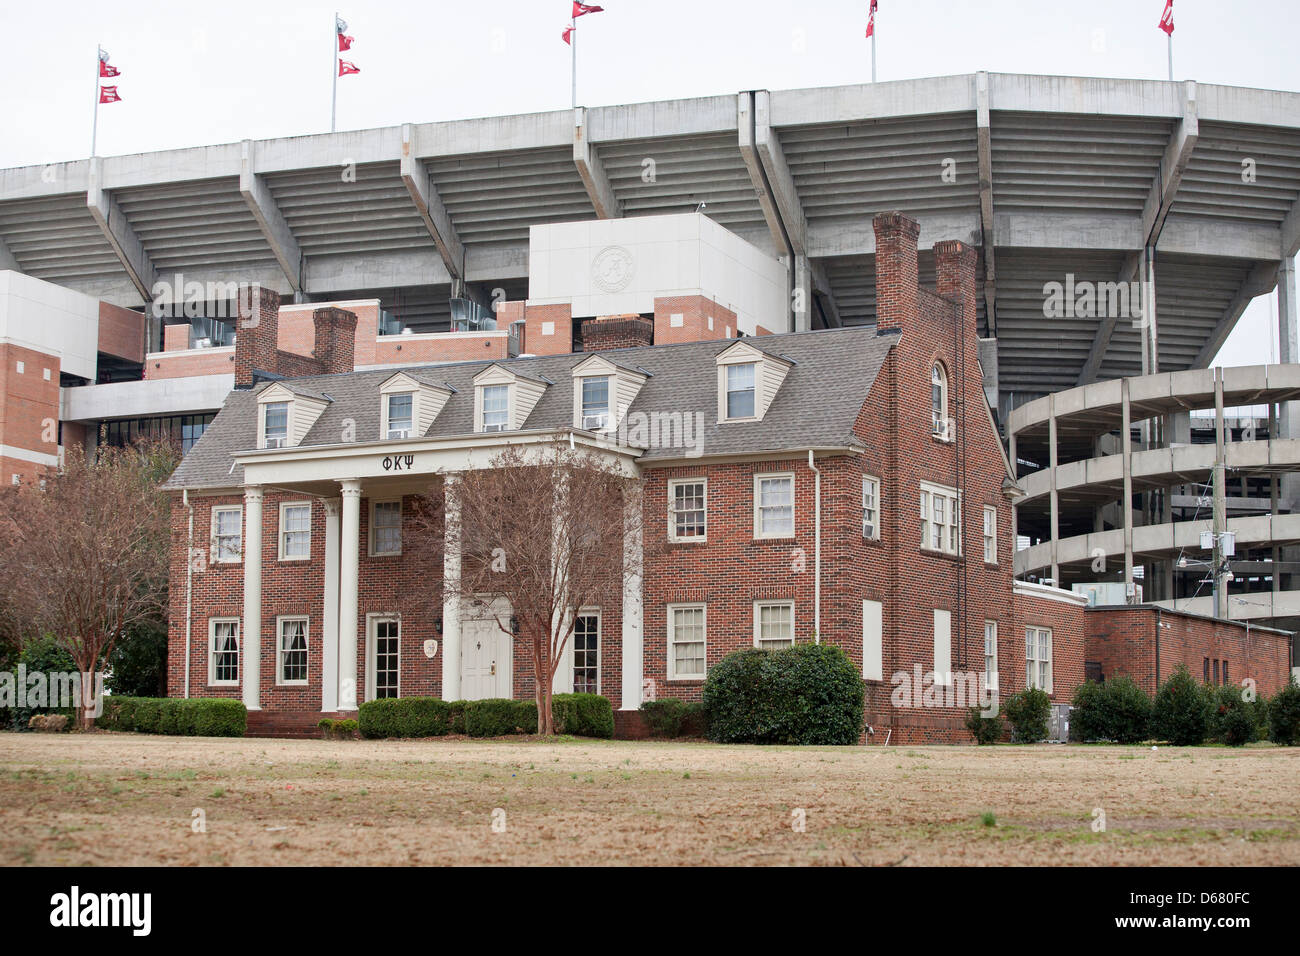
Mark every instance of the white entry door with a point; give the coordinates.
(486, 653)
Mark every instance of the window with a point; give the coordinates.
(870, 508)
(940, 519)
(939, 402)
(774, 625)
(740, 391)
(226, 536)
(686, 637)
(276, 424)
(991, 654)
(496, 406)
(942, 647)
(1216, 671)
(873, 632)
(1225, 673)
(292, 660)
(595, 402)
(774, 506)
(295, 531)
(223, 659)
(387, 656)
(1205, 671)
(586, 653)
(401, 418)
(990, 534)
(688, 510)
(386, 527)
(1038, 658)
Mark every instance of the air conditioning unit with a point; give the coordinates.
(276, 443)
(594, 422)
(939, 430)
(399, 433)
(494, 428)
(868, 531)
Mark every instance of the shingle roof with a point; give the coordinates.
(816, 406)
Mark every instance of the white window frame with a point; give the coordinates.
(215, 554)
(1034, 674)
(483, 409)
(283, 532)
(388, 425)
(374, 527)
(990, 534)
(672, 610)
(759, 533)
(991, 654)
(950, 534)
(940, 423)
(673, 485)
(611, 386)
(373, 620)
(600, 638)
(758, 624)
(213, 652)
(726, 391)
(263, 440)
(280, 622)
(871, 515)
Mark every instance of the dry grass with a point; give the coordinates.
(124, 799)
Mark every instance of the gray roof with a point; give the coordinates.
(816, 406)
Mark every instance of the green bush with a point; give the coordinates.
(1284, 715)
(1027, 713)
(1181, 711)
(1259, 711)
(338, 729)
(985, 730)
(670, 717)
(1117, 710)
(193, 717)
(1232, 720)
(805, 694)
(45, 655)
(499, 716)
(582, 715)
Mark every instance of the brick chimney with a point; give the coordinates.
(954, 278)
(896, 271)
(607, 332)
(336, 339)
(257, 333)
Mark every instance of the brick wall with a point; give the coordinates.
(29, 409)
(213, 361)
(691, 318)
(548, 329)
(122, 332)
(441, 347)
(616, 332)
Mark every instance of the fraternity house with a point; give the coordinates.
(844, 485)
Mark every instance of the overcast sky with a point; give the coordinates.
(196, 74)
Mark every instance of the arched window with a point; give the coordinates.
(939, 401)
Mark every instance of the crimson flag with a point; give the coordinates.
(345, 43)
(108, 94)
(871, 19)
(580, 9)
(345, 68)
(1167, 18)
(567, 34)
(106, 70)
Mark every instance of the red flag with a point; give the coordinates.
(108, 94)
(871, 19)
(345, 68)
(1167, 18)
(345, 43)
(581, 9)
(568, 32)
(106, 70)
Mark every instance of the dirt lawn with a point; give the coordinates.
(109, 798)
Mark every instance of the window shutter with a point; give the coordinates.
(873, 640)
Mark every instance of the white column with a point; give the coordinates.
(252, 624)
(451, 591)
(349, 574)
(633, 631)
(329, 685)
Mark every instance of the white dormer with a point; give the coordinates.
(286, 413)
(408, 406)
(503, 399)
(748, 380)
(603, 391)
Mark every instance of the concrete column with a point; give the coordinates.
(329, 702)
(801, 297)
(633, 611)
(252, 624)
(1015, 505)
(349, 580)
(1150, 328)
(451, 591)
(1126, 504)
(1288, 329)
(1220, 521)
(1054, 500)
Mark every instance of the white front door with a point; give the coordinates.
(486, 653)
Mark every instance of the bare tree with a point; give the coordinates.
(545, 530)
(84, 553)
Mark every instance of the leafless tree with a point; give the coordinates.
(85, 557)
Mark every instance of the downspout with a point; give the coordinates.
(1159, 628)
(189, 586)
(817, 548)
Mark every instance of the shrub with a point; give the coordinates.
(195, 717)
(1232, 721)
(1117, 710)
(41, 654)
(1181, 711)
(1028, 712)
(499, 716)
(670, 717)
(337, 729)
(985, 730)
(1284, 715)
(1259, 711)
(805, 694)
(583, 715)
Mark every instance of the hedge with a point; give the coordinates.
(1181, 711)
(1284, 715)
(582, 715)
(1232, 719)
(1117, 710)
(985, 730)
(670, 717)
(805, 694)
(192, 717)
(1028, 712)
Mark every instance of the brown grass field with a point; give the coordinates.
(111, 799)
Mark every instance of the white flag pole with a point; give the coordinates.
(873, 51)
(1171, 56)
(573, 45)
(334, 71)
(94, 126)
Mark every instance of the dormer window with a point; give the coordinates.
(276, 425)
(409, 402)
(595, 403)
(496, 407)
(740, 391)
(286, 413)
(939, 402)
(504, 398)
(748, 381)
(603, 391)
(401, 415)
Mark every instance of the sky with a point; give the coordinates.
(197, 74)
